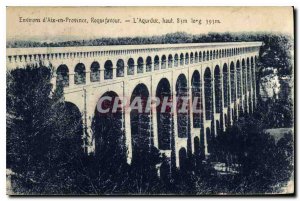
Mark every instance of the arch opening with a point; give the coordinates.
(148, 64)
(163, 62)
(248, 75)
(108, 70)
(196, 57)
(140, 65)
(120, 68)
(186, 58)
(208, 94)
(232, 82)
(197, 147)
(95, 72)
(253, 73)
(244, 75)
(239, 83)
(141, 127)
(218, 127)
(176, 60)
(108, 132)
(225, 120)
(191, 58)
(156, 63)
(79, 74)
(164, 117)
(200, 56)
(181, 59)
(197, 99)
(76, 124)
(62, 74)
(253, 82)
(130, 68)
(170, 61)
(209, 138)
(183, 122)
(225, 85)
(218, 89)
(182, 159)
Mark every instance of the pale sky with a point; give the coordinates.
(232, 19)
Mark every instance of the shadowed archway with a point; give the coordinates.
(164, 116)
(95, 72)
(108, 132)
(79, 74)
(62, 74)
(141, 127)
(182, 107)
(208, 94)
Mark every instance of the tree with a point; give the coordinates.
(27, 117)
(264, 165)
(43, 140)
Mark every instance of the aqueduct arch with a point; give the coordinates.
(130, 66)
(244, 84)
(120, 68)
(218, 89)
(141, 131)
(108, 72)
(75, 126)
(232, 82)
(107, 129)
(197, 99)
(79, 74)
(225, 85)
(183, 121)
(164, 117)
(156, 62)
(208, 94)
(95, 72)
(62, 76)
(148, 64)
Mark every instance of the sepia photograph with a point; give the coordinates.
(156, 101)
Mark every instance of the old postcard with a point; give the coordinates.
(150, 100)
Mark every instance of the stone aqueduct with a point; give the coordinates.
(222, 75)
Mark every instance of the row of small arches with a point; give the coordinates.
(62, 71)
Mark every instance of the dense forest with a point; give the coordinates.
(170, 38)
(45, 156)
